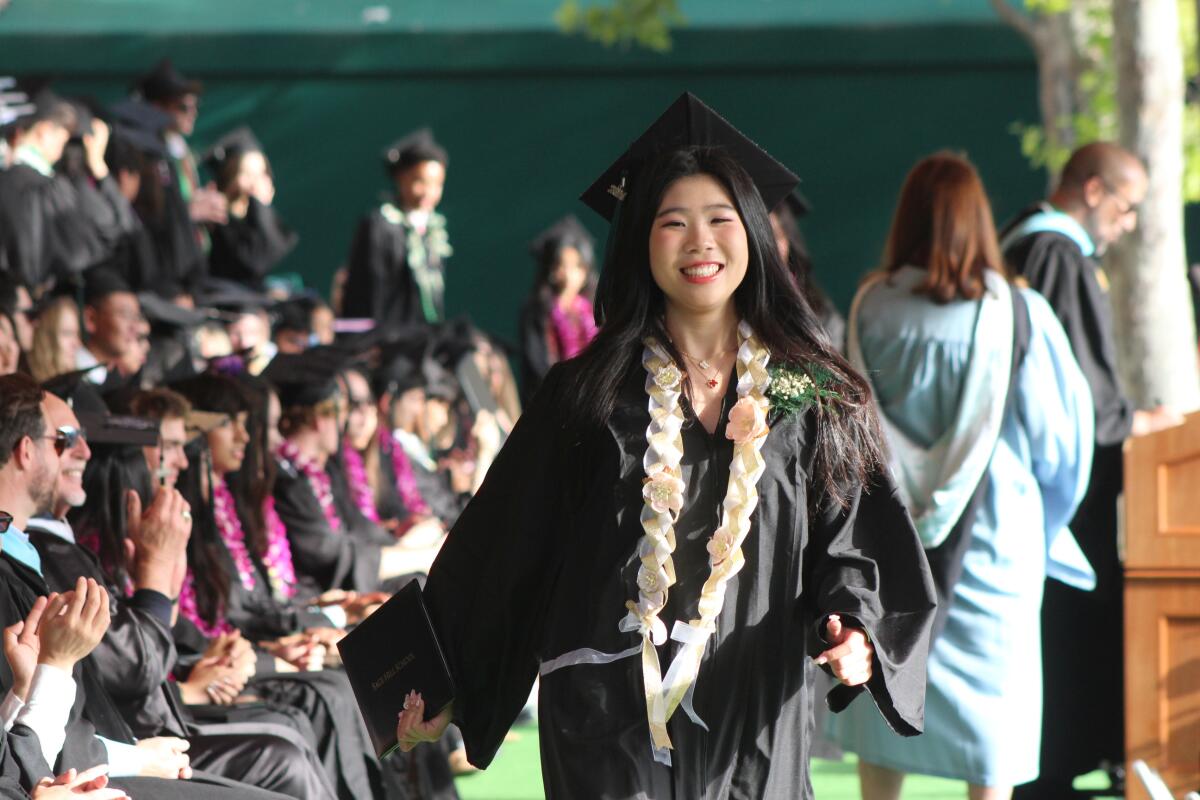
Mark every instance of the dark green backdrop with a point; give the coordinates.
(530, 116)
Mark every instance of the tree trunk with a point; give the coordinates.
(1151, 301)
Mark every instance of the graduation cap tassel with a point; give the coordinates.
(619, 192)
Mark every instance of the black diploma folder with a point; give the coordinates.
(391, 653)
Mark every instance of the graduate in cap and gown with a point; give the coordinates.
(46, 235)
(253, 238)
(689, 519)
(558, 320)
(178, 226)
(334, 546)
(395, 273)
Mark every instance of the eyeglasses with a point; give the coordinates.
(1124, 207)
(5, 520)
(65, 438)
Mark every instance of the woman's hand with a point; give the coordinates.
(411, 729)
(852, 656)
(213, 682)
(71, 785)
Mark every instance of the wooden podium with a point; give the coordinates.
(1162, 606)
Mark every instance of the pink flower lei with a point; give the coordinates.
(573, 330)
(318, 481)
(189, 609)
(229, 526)
(406, 482)
(360, 487)
(280, 568)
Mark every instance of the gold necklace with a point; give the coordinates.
(713, 380)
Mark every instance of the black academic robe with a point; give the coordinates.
(325, 559)
(47, 234)
(134, 661)
(379, 282)
(177, 242)
(246, 249)
(543, 560)
(1083, 718)
(536, 359)
(95, 714)
(1078, 292)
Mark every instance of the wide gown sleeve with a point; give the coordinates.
(868, 567)
(489, 588)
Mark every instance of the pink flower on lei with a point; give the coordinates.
(747, 421)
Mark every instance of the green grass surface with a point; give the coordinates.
(516, 774)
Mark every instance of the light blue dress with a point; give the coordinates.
(984, 699)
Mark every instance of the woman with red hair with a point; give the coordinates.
(988, 421)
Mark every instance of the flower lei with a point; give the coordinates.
(281, 570)
(663, 496)
(360, 487)
(573, 330)
(426, 271)
(229, 526)
(406, 482)
(318, 481)
(189, 610)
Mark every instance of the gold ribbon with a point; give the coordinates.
(664, 452)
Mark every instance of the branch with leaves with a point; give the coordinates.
(623, 23)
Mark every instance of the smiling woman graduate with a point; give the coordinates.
(690, 518)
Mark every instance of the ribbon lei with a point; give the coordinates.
(663, 496)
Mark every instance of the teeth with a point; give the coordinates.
(705, 271)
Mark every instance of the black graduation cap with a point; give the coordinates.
(686, 123)
(567, 232)
(165, 83)
(139, 124)
(412, 149)
(237, 141)
(100, 282)
(99, 426)
(49, 106)
(798, 203)
(305, 380)
(230, 296)
(160, 311)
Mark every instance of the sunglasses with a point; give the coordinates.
(65, 438)
(5, 520)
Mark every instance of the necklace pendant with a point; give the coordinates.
(712, 383)
(704, 364)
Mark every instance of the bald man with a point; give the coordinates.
(1057, 245)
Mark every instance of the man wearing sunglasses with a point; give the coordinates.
(135, 656)
(86, 728)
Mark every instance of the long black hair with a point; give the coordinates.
(110, 472)
(630, 306)
(206, 558)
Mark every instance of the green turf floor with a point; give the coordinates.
(516, 775)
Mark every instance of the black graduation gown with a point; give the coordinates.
(246, 249)
(543, 560)
(324, 559)
(1083, 718)
(379, 282)
(94, 714)
(535, 353)
(134, 661)
(177, 247)
(46, 233)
